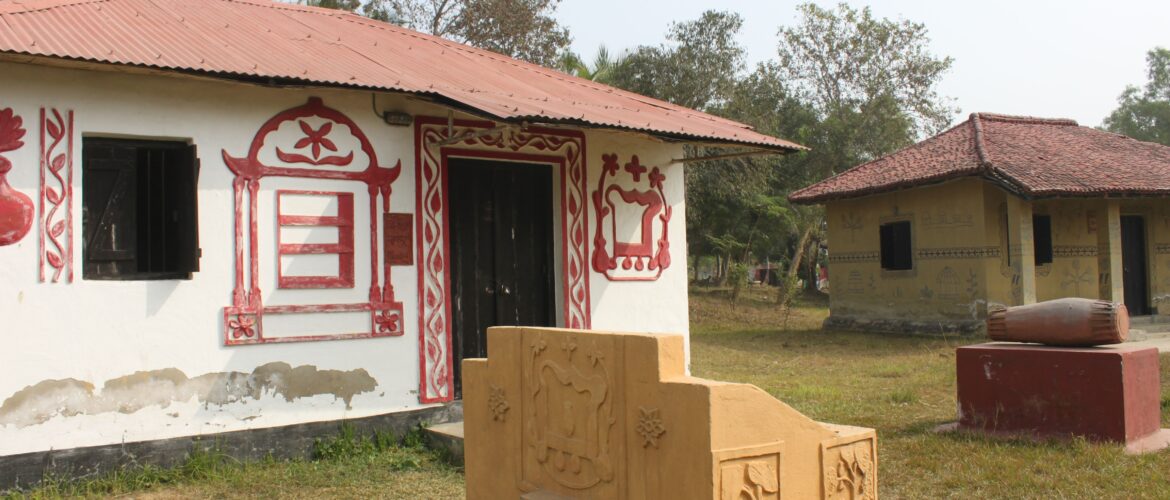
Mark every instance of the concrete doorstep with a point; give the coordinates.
(447, 439)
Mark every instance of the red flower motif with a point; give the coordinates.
(10, 130)
(656, 178)
(609, 164)
(387, 321)
(242, 326)
(316, 138)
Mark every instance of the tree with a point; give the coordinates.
(871, 85)
(602, 70)
(697, 68)
(523, 29)
(350, 5)
(1144, 114)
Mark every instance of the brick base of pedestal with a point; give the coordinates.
(1103, 394)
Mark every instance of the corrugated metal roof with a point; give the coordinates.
(260, 39)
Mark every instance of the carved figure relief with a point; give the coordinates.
(850, 470)
(854, 222)
(948, 284)
(569, 441)
(1074, 277)
(435, 138)
(947, 218)
(854, 283)
(632, 241)
(16, 208)
(749, 473)
(56, 199)
(311, 141)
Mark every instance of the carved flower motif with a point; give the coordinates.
(243, 325)
(539, 345)
(387, 321)
(498, 404)
(851, 474)
(649, 426)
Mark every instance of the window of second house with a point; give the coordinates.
(895, 246)
(1042, 238)
(139, 209)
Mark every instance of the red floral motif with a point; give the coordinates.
(56, 197)
(243, 326)
(316, 138)
(636, 169)
(388, 321)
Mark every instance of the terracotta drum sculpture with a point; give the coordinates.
(555, 413)
(1067, 387)
(1064, 322)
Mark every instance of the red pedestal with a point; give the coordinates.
(1104, 394)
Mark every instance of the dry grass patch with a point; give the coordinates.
(904, 387)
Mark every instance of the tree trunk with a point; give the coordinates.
(794, 265)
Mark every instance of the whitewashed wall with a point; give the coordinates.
(159, 344)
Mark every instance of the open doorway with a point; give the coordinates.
(502, 263)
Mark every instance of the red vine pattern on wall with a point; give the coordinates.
(645, 259)
(534, 144)
(244, 320)
(56, 197)
(16, 208)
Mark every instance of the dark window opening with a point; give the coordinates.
(1042, 238)
(895, 242)
(139, 209)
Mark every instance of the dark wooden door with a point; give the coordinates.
(1133, 264)
(501, 232)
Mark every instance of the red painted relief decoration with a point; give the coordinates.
(329, 147)
(341, 247)
(628, 218)
(561, 148)
(16, 208)
(56, 198)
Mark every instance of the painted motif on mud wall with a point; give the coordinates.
(16, 208)
(632, 242)
(56, 198)
(436, 141)
(311, 141)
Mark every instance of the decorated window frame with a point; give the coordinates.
(243, 320)
(343, 248)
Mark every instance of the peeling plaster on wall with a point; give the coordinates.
(44, 400)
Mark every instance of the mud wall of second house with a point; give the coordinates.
(944, 290)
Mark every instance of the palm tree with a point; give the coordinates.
(603, 68)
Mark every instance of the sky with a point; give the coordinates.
(1052, 59)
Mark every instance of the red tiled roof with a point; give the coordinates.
(262, 40)
(1031, 157)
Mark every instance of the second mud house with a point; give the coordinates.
(997, 210)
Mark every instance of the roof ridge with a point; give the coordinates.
(977, 135)
(1024, 119)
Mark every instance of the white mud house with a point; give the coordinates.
(226, 216)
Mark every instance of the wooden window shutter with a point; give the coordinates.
(109, 209)
(182, 209)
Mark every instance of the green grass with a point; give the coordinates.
(904, 387)
(344, 466)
